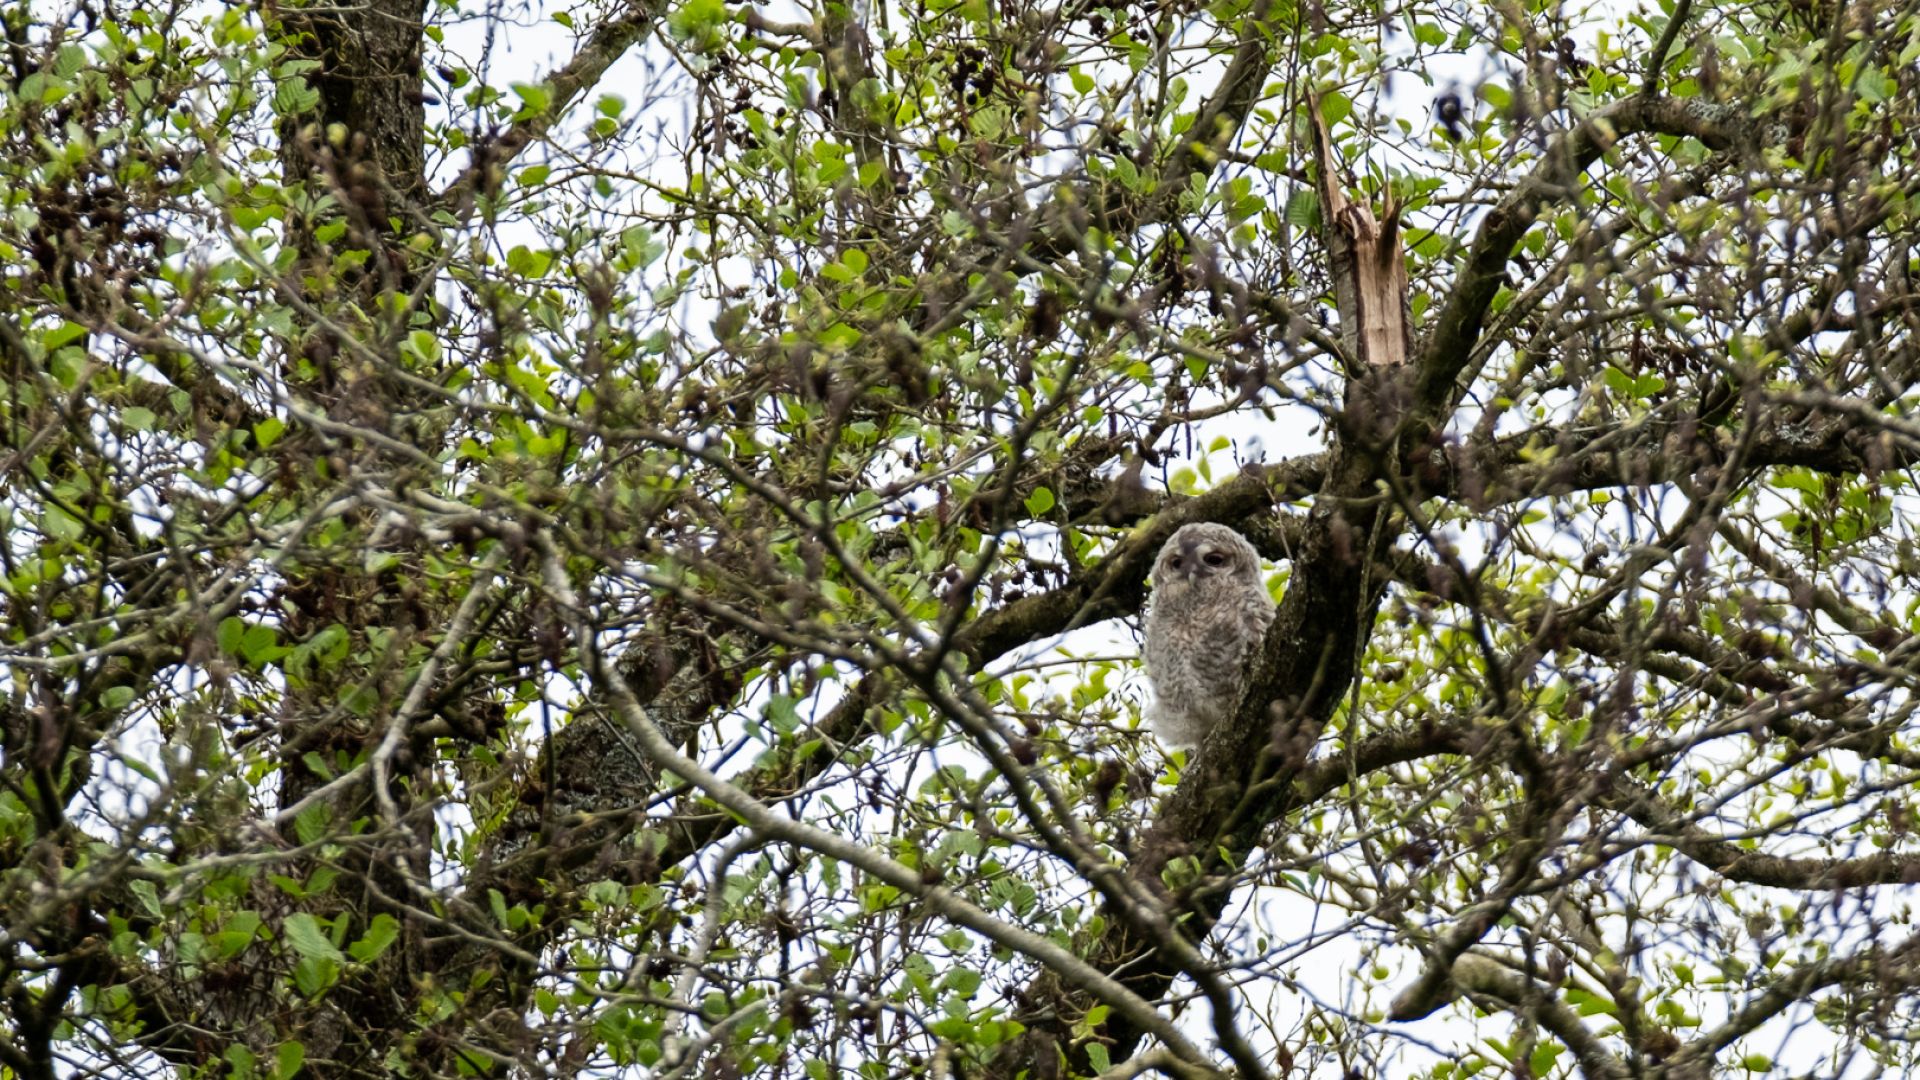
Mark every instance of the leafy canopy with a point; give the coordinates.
(633, 563)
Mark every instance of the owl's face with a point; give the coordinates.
(1201, 554)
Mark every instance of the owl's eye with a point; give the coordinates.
(1175, 562)
(1215, 558)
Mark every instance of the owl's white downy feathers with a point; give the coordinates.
(1205, 620)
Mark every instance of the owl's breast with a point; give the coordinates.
(1198, 639)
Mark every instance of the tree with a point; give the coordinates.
(502, 579)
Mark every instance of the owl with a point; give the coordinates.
(1205, 621)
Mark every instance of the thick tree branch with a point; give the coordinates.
(1730, 860)
(1485, 977)
(1456, 328)
(1197, 153)
(490, 159)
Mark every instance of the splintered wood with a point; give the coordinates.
(1369, 272)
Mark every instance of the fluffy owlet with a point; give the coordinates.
(1204, 623)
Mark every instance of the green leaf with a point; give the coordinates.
(63, 334)
(527, 262)
(537, 97)
(1590, 1004)
(313, 823)
(232, 939)
(697, 20)
(1040, 501)
(1335, 107)
(303, 932)
(228, 636)
(288, 1058)
(255, 643)
(425, 346)
(69, 61)
(839, 337)
(731, 320)
(291, 98)
(1874, 85)
(313, 975)
(61, 525)
(381, 933)
(1303, 209)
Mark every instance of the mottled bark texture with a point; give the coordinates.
(371, 117)
(358, 155)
